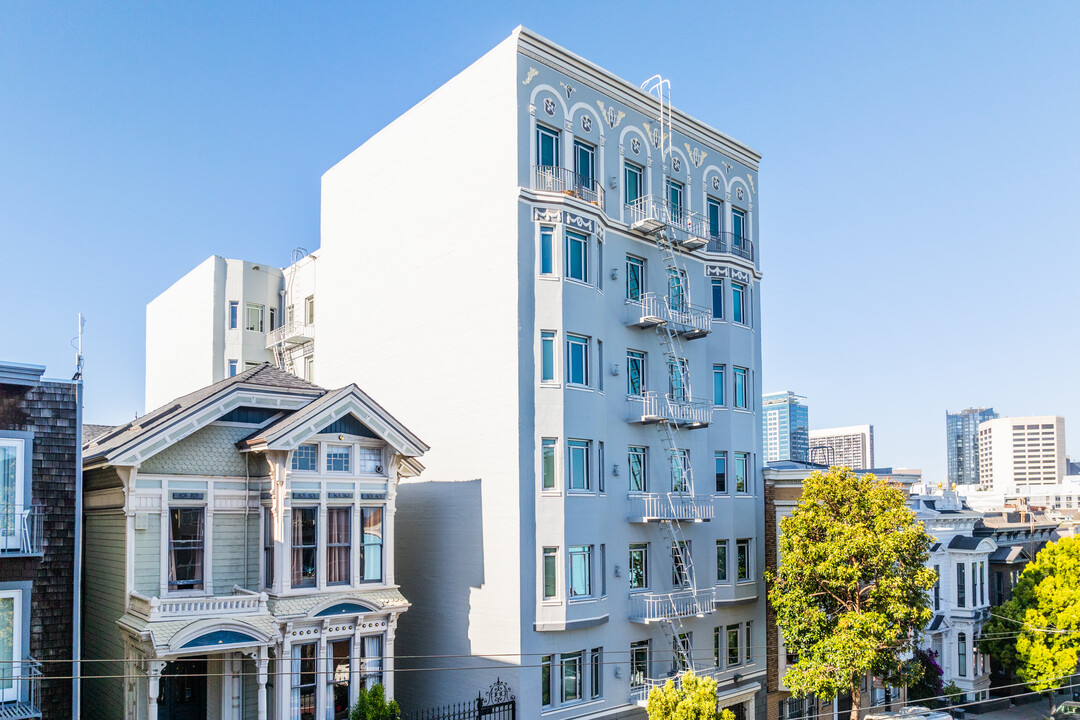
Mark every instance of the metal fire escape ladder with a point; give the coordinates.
(283, 354)
(669, 431)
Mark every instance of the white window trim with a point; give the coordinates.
(14, 541)
(12, 693)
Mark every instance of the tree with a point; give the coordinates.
(694, 698)
(951, 693)
(927, 688)
(851, 592)
(1036, 633)
(372, 705)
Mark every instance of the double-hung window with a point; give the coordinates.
(937, 588)
(547, 463)
(961, 654)
(547, 356)
(577, 256)
(749, 648)
(268, 547)
(961, 586)
(580, 557)
(680, 471)
(547, 147)
(304, 679)
(742, 461)
(738, 227)
(338, 545)
(680, 565)
(371, 560)
(186, 547)
(577, 360)
(254, 317)
(635, 277)
(633, 183)
(741, 397)
(742, 559)
(547, 259)
(578, 455)
(714, 209)
(571, 676)
(309, 309)
(305, 546)
(717, 299)
(635, 372)
(551, 563)
(639, 566)
(338, 458)
(636, 460)
(338, 678)
(718, 385)
(734, 657)
(720, 462)
(721, 561)
(738, 304)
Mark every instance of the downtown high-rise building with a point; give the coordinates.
(786, 426)
(962, 444)
(851, 447)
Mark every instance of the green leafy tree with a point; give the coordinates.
(1036, 634)
(951, 693)
(851, 592)
(694, 698)
(372, 705)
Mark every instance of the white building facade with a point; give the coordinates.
(1021, 455)
(851, 447)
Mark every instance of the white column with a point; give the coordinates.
(388, 656)
(153, 677)
(261, 665)
(283, 678)
(322, 673)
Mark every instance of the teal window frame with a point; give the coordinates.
(577, 257)
(633, 182)
(717, 299)
(718, 385)
(738, 304)
(720, 469)
(547, 138)
(714, 209)
(547, 251)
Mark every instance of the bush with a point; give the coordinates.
(372, 705)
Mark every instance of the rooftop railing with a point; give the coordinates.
(552, 178)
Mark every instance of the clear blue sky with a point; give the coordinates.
(919, 192)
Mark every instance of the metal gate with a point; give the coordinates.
(498, 704)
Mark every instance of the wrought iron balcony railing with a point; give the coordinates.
(727, 243)
(645, 507)
(291, 333)
(654, 607)
(241, 602)
(23, 682)
(551, 178)
(20, 529)
(653, 407)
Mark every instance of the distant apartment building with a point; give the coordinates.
(851, 447)
(227, 316)
(962, 444)
(1020, 533)
(39, 541)
(785, 417)
(1022, 455)
(597, 471)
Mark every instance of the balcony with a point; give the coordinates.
(20, 530)
(24, 694)
(290, 334)
(241, 602)
(651, 310)
(649, 214)
(654, 607)
(551, 178)
(652, 407)
(640, 686)
(650, 507)
(691, 321)
(730, 244)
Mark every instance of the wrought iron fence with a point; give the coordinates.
(498, 703)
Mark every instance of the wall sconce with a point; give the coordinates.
(618, 572)
(614, 273)
(618, 672)
(615, 470)
(615, 370)
(613, 182)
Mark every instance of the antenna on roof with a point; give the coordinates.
(661, 88)
(78, 349)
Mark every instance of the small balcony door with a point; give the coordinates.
(10, 644)
(12, 457)
(584, 160)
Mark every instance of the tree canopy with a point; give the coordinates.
(694, 698)
(1036, 633)
(851, 591)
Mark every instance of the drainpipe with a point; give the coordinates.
(76, 625)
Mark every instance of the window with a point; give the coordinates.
(577, 360)
(273, 318)
(338, 457)
(268, 547)
(596, 663)
(680, 564)
(974, 584)
(742, 559)
(600, 365)
(741, 481)
(547, 147)
(368, 460)
(547, 261)
(545, 680)
(309, 369)
(749, 646)
(718, 385)
(714, 217)
(734, 657)
(740, 388)
(584, 158)
(254, 317)
(304, 675)
(577, 257)
(234, 312)
(579, 464)
(305, 457)
(961, 654)
(635, 277)
(717, 299)
(680, 471)
(720, 462)
(339, 677)
(960, 585)
(11, 651)
(683, 651)
(738, 292)
(639, 566)
(639, 662)
(547, 463)
(678, 371)
(982, 583)
(580, 570)
(186, 537)
(571, 676)
(675, 199)
(305, 545)
(677, 290)
(635, 459)
(232, 368)
(600, 466)
(551, 559)
(547, 356)
(338, 545)
(738, 222)
(632, 183)
(635, 372)
(716, 641)
(371, 520)
(371, 653)
(937, 587)
(721, 561)
(248, 365)
(309, 309)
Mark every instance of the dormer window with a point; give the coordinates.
(338, 458)
(306, 457)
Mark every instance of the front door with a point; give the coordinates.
(183, 690)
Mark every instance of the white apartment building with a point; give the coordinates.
(851, 447)
(1019, 455)
(227, 316)
(576, 313)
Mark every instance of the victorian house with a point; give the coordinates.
(240, 554)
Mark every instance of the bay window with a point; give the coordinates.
(305, 546)
(338, 545)
(304, 678)
(371, 560)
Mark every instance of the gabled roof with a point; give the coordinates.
(938, 623)
(1009, 555)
